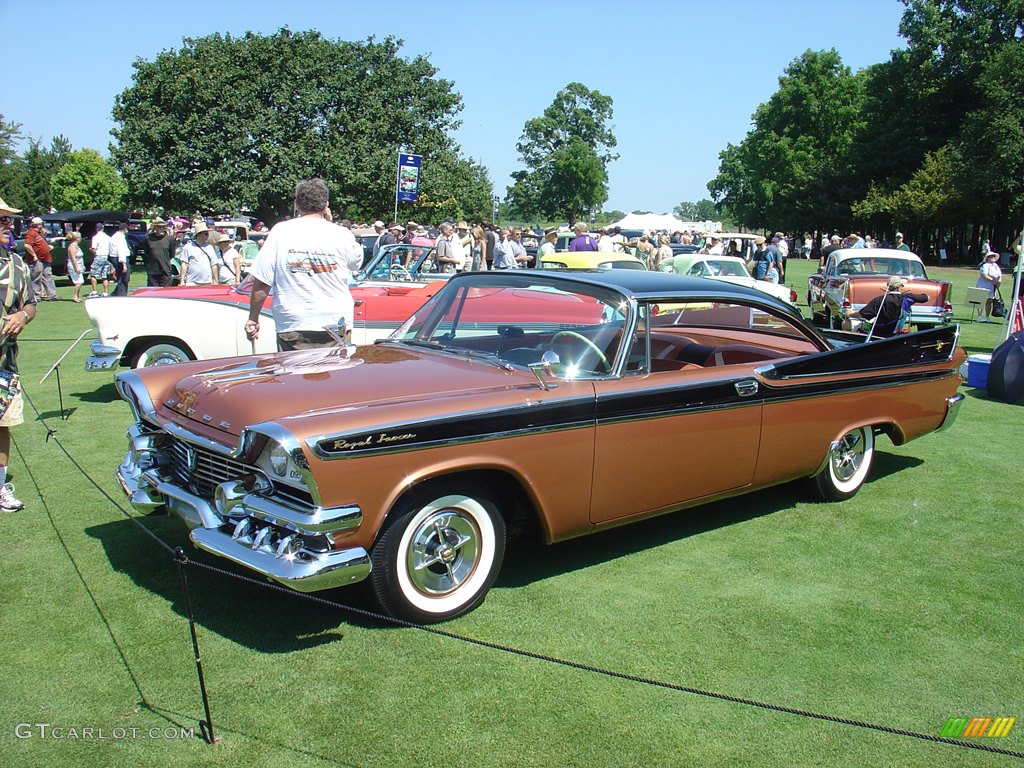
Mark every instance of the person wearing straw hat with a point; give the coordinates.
(198, 260)
(989, 277)
(230, 260)
(548, 246)
(18, 304)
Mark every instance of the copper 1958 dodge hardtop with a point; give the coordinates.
(578, 400)
(852, 277)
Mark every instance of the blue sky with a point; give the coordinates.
(685, 76)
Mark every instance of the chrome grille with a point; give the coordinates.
(203, 470)
(210, 469)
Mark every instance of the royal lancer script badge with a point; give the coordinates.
(370, 442)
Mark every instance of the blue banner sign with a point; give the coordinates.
(408, 178)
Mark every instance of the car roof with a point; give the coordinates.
(588, 257)
(689, 259)
(873, 253)
(736, 235)
(645, 285)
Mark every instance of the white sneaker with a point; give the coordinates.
(8, 502)
(982, 319)
(92, 295)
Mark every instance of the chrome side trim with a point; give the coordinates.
(952, 411)
(309, 573)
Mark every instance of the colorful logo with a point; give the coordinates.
(977, 727)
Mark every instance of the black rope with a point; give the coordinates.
(601, 670)
(51, 433)
(182, 559)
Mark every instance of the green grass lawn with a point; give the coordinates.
(901, 607)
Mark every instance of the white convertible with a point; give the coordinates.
(728, 268)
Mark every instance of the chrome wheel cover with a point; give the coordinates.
(848, 456)
(444, 552)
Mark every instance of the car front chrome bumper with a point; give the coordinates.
(103, 357)
(248, 526)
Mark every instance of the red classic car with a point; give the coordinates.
(852, 277)
(578, 401)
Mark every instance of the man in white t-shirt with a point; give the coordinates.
(199, 262)
(120, 255)
(307, 261)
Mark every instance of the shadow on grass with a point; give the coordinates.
(265, 620)
(68, 412)
(105, 394)
(274, 621)
(529, 559)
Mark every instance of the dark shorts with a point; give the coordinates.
(290, 340)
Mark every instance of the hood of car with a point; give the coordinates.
(301, 387)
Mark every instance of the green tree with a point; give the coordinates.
(87, 181)
(452, 188)
(41, 163)
(12, 166)
(931, 198)
(790, 169)
(566, 152)
(992, 139)
(686, 211)
(230, 123)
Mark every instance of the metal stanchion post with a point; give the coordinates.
(205, 726)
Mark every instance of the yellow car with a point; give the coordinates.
(589, 260)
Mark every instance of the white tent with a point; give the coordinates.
(665, 222)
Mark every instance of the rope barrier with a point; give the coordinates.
(182, 560)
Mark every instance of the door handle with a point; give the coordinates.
(746, 388)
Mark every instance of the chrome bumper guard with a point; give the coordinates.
(103, 358)
(952, 411)
(302, 571)
(250, 528)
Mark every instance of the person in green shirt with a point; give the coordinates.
(548, 247)
(900, 245)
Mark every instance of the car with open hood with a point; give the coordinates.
(537, 400)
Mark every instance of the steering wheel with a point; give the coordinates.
(587, 343)
(402, 272)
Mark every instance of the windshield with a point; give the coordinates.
(884, 265)
(719, 268)
(517, 318)
(400, 262)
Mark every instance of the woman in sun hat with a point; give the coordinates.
(989, 277)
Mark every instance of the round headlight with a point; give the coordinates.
(279, 460)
